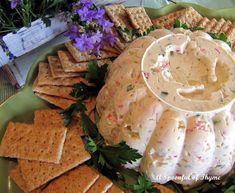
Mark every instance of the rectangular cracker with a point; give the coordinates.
(33, 143)
(78, 180)
(191, 17)
(204, 21)
(84, 56)
(58, 91)
(57, 101)
(228, 24)
(53, 117)
(167, 21)
(115, 189)
(57, 70)
(45, 78)
(119, 17)
(139, 19)
(101, 185)
(16, 176)
(37, 173)
(231, 34)
(210, 25)
(109, 48)
(218, 26)
(70, 65)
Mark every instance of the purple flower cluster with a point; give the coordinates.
(14, 3)
(91, 31)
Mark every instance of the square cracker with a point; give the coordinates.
(210, 25)
(218, 26)
(52, 90)
(85, 56)
(57, 70)
(228, 24)
(101, 185)
(33, 143)
(45, 78)
(139, 19)
(70, 65)
(191, 17)
(57, 101)
(53, 117)
(65, 103)
(167, 21)
(78, 180)
(16, 176)
(115, 189)
(119, 17)
(231, 34)
(203, 23)
(37, 173)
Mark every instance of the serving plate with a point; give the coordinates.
(22, 105)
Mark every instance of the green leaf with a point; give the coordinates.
(178, 24)
(88, 126)
(90, 145)
(119, 154)
(96, 74)
(70, 111)
(143, 185)
(82, 91)
(197, 28)
(221, 37)
(231, 189)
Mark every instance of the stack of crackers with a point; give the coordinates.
(57, 76)
(193, 19)
(127, 20)
(51, 157)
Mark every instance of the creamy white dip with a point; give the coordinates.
(190, 72)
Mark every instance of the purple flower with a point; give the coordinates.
(72, 32)
(86, 3)
(96, 37)
(85, 14)
(84, 43)
(99, 14)
(110, 38)
(14, 3)
(106, 24)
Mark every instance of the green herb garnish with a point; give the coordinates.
(178, 24)
(164, 93)
(221, 37)
(143, 185)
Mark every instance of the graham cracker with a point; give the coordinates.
(139, 19)
(119, 17)
(115, 189)
(45, 78)
(167, 21)
(57, 101)
(218, 26)
(85, 56)
(231, 34)
(57, 70)
(101, 185)
(58, 91)
(203, 23)
(228, 24)
(37, 173)
(16, 176)
(53, 117)
(210, 25)
(78, 180)
(190, 17)
(70, 65)
(33, 143)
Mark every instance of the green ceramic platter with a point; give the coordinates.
(21, 106)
